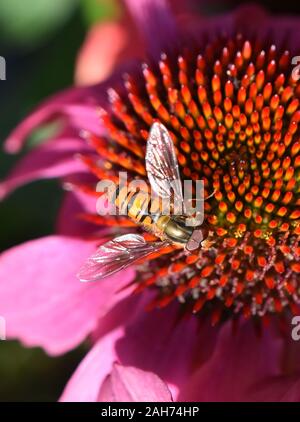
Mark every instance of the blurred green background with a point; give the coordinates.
(40, 40)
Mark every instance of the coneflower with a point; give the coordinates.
(231, 106)
(232, 109)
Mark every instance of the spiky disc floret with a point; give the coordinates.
(233, 113)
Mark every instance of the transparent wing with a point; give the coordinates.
(161, 164)
(115, 255)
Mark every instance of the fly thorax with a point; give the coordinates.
(177, 231)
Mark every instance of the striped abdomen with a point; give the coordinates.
(143, 210)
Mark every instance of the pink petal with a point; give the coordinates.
(172, 352)
(276, 389)
(86, 381)
(251, 20)
(129, 384)
(43, 302)
(188, 6)
(156, 23)
(171, 347)
(54, 158)
(85, 117)
(69, 221)
(102, 48)
(78, 105)
(85, 384)
(197, 362)
(239, 362)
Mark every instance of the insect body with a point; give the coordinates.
(148, 214)
(163, 173)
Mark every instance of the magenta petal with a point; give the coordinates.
(76, 104)
(277, 389)
(196, 361)
(84, 117)
(174, 351)
(43, 302)
(251, 20)
(55, 158)
(69, 221)
(156, 22)
(86, 381)
(129, 384)
(240, 361)
(85, 384)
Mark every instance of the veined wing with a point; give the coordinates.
(161, 164)
(115, 255)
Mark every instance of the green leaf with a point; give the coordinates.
(27, 24)
(97, 10)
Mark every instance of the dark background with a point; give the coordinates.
(40, 40)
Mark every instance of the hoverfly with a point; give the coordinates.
(162, 171)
